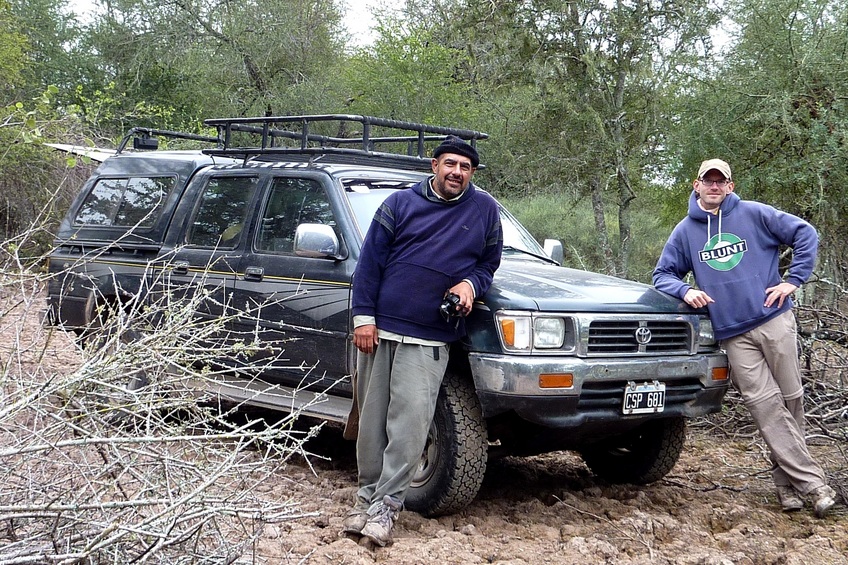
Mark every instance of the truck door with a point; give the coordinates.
(200, 271)
(299, 303)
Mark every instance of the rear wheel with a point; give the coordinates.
(109, 336)
(641, 456)
(112, 340)
(454, 460)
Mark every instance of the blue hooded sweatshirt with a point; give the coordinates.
(734, 257)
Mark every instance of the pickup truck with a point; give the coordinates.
(555, 358)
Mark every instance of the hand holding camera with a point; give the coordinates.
(451, 306)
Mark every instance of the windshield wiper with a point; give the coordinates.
(531, 254)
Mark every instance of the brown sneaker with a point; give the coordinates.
(384, 514)
(789, 498)
(823, 498)
(355, 521)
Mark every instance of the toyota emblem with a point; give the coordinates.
(643, 335)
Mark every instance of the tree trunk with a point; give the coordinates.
(601, 223)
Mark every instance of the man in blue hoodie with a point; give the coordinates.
(732, 247)
(441, 236)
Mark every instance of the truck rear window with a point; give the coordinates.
(126, 202)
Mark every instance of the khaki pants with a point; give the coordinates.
(764, 368)
(397, 387)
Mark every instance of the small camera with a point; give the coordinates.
(450, 306)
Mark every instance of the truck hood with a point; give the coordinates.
(530, 285)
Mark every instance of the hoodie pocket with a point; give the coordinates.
(413, 292)
(737, 302)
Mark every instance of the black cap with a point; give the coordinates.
(455, 145)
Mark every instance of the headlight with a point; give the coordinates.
(526, 332)
(706, 336)
(548, 333)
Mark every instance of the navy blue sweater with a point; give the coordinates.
(734, 256)
(417, 247)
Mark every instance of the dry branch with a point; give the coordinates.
(93, 472)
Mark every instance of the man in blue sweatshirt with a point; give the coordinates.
(732, 247)
(441, 236)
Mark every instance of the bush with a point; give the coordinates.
(573, 223)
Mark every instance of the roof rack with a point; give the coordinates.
(302, 136)
(144, 138)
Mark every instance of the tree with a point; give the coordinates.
(776, 111)
(408, 75)
(13, 59)
(194, 59)
(584, 87)
(55, 55)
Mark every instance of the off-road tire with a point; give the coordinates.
(454, 460)
(109, 339)
(642, 456)
(106, 337)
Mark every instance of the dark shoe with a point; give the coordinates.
(789, 498)
(823, 498)
(384, 514)
(355, 521)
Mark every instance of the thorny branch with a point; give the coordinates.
(94, 470)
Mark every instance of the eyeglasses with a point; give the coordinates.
(719, 183)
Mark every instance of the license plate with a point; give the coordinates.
(643, 398)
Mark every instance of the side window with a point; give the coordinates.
(291, 202)
(125, 202)
(222, 212)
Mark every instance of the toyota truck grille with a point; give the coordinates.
(611, 337)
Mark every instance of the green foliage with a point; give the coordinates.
(36, 182)
(571, 222)
(407, 75)
(201, 59)
(576, 94)
(110, 108)
(13, 58)
(54, 52)
(777, 113)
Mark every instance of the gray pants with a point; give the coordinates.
(764, 368)
(397, 387)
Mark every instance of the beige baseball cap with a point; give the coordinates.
(716, 164)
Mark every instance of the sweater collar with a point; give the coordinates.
(701, 215)
(426, 190)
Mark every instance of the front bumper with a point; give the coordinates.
(508, 383)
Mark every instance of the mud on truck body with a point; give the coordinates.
(555, 358)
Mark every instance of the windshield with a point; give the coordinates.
(365, 205)
(365, 202)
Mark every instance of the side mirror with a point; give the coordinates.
(318, 241)
(553, 247)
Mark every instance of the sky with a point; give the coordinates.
(358, 17)
(359, 20)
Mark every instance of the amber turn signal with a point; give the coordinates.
(719, 373)
(556, 380)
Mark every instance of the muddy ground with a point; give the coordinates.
(717, 507)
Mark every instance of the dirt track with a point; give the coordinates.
(716, 507)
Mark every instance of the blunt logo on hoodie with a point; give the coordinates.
(723, 251)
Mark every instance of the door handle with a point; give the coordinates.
(180, 268)
(254, 273)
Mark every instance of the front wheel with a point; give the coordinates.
(641, 456)
(454, 460)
